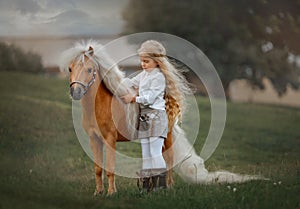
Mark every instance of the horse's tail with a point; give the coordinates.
(190, 166)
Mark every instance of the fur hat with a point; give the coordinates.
(152, 48)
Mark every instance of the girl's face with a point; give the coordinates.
(147, 63)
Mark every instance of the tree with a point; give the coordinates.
(243, 39)
(13, 58)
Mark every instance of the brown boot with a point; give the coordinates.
(158, 178)
(144, 181)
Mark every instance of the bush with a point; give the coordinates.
(13, 58)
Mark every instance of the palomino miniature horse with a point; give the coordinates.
(95, 80)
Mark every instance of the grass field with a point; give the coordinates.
(42, 164)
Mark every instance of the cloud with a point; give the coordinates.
(24, 7)
(57, 4)
(27, 7)
(72, 16)
(56, 17)
(79, 22)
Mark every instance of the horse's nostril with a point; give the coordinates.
(78, 91)
(75, 91)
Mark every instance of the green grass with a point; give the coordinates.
(42, 164)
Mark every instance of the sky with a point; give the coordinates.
(61, 17)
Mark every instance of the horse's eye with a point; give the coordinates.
(70, 70)
(89, 70)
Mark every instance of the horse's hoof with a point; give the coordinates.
(110, 192)
(170, 183)
(98, 193)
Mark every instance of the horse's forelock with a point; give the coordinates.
(77, 53)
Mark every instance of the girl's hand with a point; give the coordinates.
(128, 98)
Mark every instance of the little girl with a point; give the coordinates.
(159, 81)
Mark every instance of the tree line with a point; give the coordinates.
(245, 39)
(13, 58)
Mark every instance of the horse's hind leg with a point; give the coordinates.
(97, 148)
(168, 154)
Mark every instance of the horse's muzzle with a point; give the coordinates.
(76, 92)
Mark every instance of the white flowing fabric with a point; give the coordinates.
(192, 168)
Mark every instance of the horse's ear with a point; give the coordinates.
(91, 51)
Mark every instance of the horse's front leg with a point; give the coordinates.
(97, 148)
(168, 155)
(110, 143)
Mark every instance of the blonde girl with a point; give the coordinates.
(161, 97)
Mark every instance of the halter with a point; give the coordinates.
(86, 86)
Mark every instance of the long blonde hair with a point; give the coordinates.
(177, 86)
